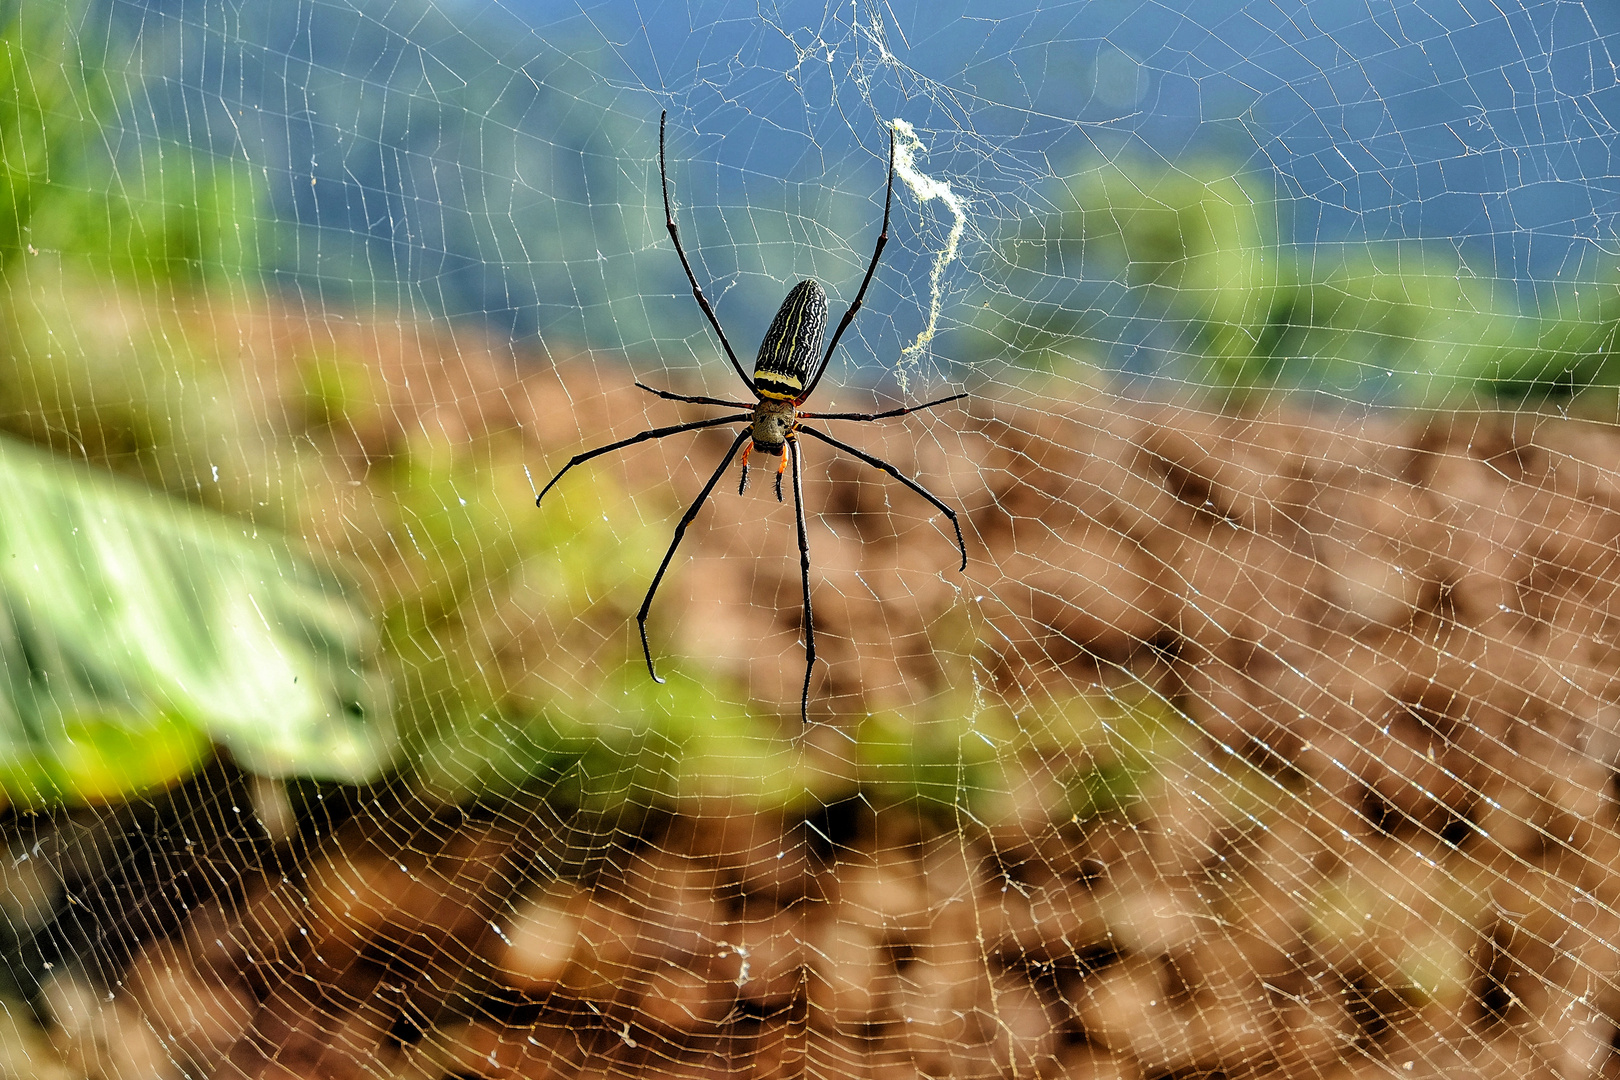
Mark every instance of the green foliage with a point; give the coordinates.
(1187, 260)
(1196, 240)
(150, 213)
(135, 630)
(1567, 348)
(174, 218)
(47, 108)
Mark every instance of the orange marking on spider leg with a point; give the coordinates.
(780, 469)
(742, 481)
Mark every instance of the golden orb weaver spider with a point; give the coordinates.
(783, 380)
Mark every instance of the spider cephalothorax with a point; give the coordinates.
(790, 364)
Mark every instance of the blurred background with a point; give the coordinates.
(1287, 471)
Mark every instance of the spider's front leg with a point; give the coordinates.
(742, 482)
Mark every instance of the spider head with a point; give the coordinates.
(774, 421)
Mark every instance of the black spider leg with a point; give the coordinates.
(694, 400)
(655, 433)
(877, 253)
(804, 581)
(881, 415)
(883, 466)
(680, 531)
(675, 237)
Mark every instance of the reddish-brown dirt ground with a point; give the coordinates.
(1383, 840)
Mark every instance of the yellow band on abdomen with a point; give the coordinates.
(773, 384)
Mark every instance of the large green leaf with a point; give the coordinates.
(136, 631)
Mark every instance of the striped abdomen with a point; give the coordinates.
(792, 344)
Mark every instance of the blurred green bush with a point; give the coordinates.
(149, 213)
(1189, 262)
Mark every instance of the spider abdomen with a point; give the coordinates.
(792, 344)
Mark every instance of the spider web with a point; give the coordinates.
(1271, 730)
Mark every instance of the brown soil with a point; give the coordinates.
(1382, 841)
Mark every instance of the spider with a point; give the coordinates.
(786, 373)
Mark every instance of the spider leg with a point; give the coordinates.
(804, 580)
(674, 235)
(680, 531)
(883, 466)
(666, 395)
(877, 253)
(655, 433)
(880, 415)
(742, 484)
(780, 468)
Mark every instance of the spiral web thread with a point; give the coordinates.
(1271, 731)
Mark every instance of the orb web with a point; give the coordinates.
(1271, 730)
